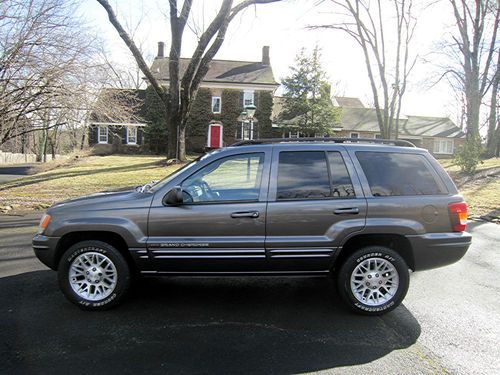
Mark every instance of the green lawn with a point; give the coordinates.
(80, 177)
(485, 164)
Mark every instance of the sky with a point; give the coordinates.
(283, 27)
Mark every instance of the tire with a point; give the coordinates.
(373, 280)
(93, 275)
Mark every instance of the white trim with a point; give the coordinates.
(99, 135)
(210, 133)
(117, 124)
(404, 136)
(135, 129)
(437, 149)
(220, 104)
(235, 85)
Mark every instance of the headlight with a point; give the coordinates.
(44, 223)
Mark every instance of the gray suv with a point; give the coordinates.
(364, 211)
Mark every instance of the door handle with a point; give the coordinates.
(347, 211)
(251, 214)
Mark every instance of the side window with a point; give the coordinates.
(340, 179)
(398, 174)
(234, 178)
(303, 175)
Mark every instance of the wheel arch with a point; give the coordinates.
(396, 242)
(112, 238)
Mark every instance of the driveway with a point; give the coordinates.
(12, 171)
(449, 323)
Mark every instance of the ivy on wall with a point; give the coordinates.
(201, 115)
(263, 114)
(232, 106)
(155, 132)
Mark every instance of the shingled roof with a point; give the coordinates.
(348, 102)
(365, 120)
(224, 71)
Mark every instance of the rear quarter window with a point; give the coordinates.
(399, 174)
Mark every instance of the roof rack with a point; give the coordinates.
(395, 142)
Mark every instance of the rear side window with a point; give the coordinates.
(340, 180)
(310, 175)
(398, 174)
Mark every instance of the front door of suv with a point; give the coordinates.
(220, 227)
(315, 201)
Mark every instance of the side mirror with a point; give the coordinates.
(173, 197)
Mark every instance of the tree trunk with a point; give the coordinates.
(493, 125)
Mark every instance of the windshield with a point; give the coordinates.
(176, 173)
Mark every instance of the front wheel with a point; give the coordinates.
(373, 280)
(93, 275)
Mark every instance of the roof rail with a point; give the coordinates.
(395, 142)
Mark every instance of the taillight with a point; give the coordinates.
(458, 214)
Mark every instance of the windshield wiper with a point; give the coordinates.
(145, 188)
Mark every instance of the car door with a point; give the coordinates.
(315, 201)
(220, 227)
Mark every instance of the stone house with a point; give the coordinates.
(229, 87)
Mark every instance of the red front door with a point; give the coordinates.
(215, 136)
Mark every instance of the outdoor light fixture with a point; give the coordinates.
(250, 110)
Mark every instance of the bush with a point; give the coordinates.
(469, 156)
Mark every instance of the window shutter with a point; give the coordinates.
(111, 132)
(124, 135)
(139, 136)
(93, 134)
(256, 99)
(241, 99)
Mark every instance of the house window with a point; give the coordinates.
(245, 131)
(354, 135)
(248, 98)
(102, 132)
(216, 104)
(131, 135)
(377, 136)
(443, 146)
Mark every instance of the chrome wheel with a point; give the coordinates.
(93, 276)
(374, 281)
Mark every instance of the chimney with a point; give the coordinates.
(265, 56)
(161, 50)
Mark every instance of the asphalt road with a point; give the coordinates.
(449, 323)
(13, 171)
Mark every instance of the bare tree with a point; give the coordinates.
(42, 48)
(493, 144)
(181, 91)
(388, 62)
(474, 48)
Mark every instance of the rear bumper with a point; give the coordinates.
(45, 249)
(434, 250)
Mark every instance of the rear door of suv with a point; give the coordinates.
(314, 201)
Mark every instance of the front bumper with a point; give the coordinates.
(434, 250)
(45, 249)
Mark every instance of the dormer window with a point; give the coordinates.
(216, 104)
(248, 98)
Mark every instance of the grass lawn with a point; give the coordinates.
(486, 164)
(482, 193)
(81, 177)
(107, 173)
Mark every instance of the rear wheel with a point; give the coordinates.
(373, 280)
(93, 275)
